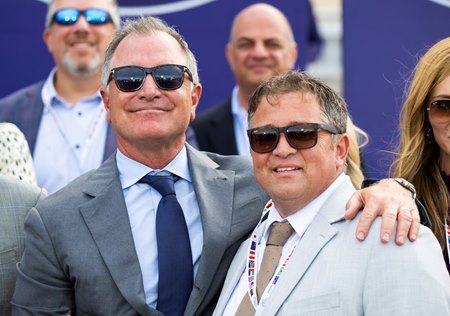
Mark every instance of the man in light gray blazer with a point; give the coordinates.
(299, 147)
(92, 247)
(17, 197)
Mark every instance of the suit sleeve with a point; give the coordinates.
(407, 280)
(42, 286)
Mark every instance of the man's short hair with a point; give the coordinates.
(332, 105)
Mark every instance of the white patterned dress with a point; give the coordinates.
(15, 157)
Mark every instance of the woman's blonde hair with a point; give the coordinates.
(358, 139)
(417, 158)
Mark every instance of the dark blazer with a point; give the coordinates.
(80, 251)
(214, 130)
(24, 108)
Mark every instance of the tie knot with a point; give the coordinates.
(164, 184)
(279, 234)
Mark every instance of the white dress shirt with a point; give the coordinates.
(240, 124)
(142, 202)
(300, 221)
(71, 138)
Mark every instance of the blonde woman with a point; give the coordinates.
(423, 155)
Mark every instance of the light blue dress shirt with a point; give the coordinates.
(71, 138)
(142, 202)
(240, 124)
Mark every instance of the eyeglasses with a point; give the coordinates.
(439, 109)
(167, 77)
(69, 16)
(299, 136)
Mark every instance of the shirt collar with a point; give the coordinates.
(236, 106)
(131, 171)
(301, 219)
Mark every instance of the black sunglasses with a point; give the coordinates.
(299, 136)
(69, 16)
(167, 77)
(439, 109)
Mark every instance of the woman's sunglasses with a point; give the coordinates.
(299, 136)
(439, 109)
(69, 16)
(131, 78)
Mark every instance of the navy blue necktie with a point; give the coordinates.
(174, 249)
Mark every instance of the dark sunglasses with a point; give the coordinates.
(439, 109)
(299, 136)
(131, 78)
(69, 16)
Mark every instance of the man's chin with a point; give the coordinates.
(85, 68)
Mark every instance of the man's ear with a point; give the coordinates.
(342, 147)
(46, 38)
(105, 97)
(229, 56)
(195, 97)
(293, 54)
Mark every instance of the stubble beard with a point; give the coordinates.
(81, 70)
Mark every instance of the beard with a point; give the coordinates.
(81, 70)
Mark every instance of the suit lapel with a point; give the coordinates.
(223, 133)
(314, 239)
(29, 113)
(107, 219)
(110, 143)
(214, 191)
(237, 268)
(318, 234)
(234, 274)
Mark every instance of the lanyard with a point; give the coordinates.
(89, 138)
(252, 264)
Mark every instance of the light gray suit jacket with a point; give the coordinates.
(80, 253)
(332, 273)
(16, 199)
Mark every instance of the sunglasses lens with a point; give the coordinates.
(301, 138)
(97, 16)
(69, 16)
(263, 140)
(129, 78)
(169, 77)
(440, 109)
(66, 16)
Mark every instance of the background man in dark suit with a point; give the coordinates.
(94, 247)
(261, 45)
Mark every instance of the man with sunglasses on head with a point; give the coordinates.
(302, 258)
(152, 231)
(63, 117)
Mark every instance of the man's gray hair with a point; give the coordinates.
(332, 105)
(114, 12)
(147, 26)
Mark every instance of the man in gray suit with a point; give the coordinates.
(299, 146)
(94, 247)
(16, 198)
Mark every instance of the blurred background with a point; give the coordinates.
(364, 49)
